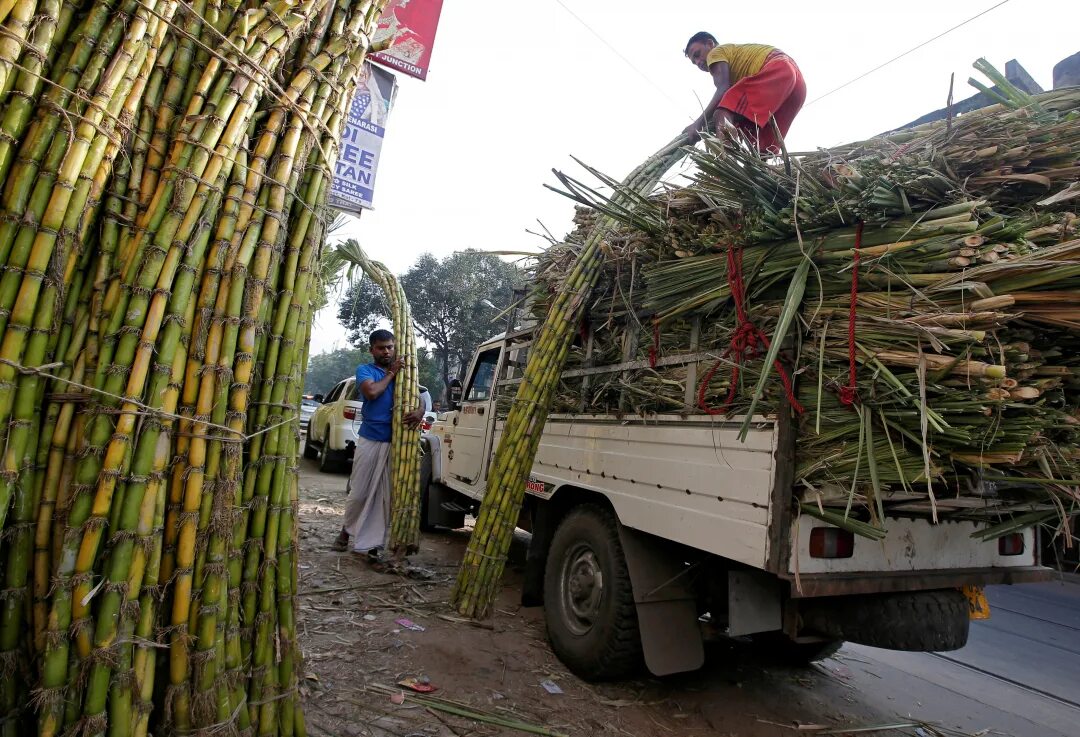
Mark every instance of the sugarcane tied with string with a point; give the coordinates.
(403, 402)
(367, 511)
(166, 170)
(877, 344)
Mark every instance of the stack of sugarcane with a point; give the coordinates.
(404, 444)
(164, 171)
(953, 394)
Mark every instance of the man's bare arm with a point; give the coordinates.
(372, 390)
(721, 74)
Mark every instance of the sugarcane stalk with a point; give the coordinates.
(485, 558)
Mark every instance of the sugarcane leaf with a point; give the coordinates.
(852, 525)
(892, 450)
(871, 464)
(858, 461)
(820, 376)
(792, 304)
(991, 93)
(1013, 96)
(1014, 524)
(923, 422)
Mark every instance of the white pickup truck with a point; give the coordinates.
(647, 531)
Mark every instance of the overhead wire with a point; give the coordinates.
(617, 53)
(912, 50)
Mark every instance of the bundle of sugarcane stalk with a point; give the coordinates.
(164, 170)
(485, 557)
(919, 288)
(404, 444)
(964, 310)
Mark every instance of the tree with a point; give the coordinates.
(429, 372)
(455, 302)
(324, 370)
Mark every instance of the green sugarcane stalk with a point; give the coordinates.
(485, 558)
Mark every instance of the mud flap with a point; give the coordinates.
(666, 604)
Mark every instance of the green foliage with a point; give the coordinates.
(449, 300)
(429, 372)
(327, 369)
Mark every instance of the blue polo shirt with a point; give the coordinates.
(376, 413)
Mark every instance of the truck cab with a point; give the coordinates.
(650, 532)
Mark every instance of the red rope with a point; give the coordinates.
(746, 342)
(654, 351)
(848, 394)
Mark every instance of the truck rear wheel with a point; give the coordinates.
(919, 621)
(588, 598)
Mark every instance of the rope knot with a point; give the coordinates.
(746, 342)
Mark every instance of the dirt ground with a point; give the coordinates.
(355, 652)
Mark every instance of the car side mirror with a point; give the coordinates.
(455, 393)
(318, 398)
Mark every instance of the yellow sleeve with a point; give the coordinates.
(719, 53)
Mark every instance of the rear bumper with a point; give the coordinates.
(841, 584)
(343, 438)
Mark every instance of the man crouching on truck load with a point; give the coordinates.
(759, 90)
(367, 511)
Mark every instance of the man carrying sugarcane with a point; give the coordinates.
(759, 91)
(367, 511)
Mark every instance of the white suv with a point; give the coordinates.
(332, 429)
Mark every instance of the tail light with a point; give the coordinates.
(831, 542)
(350, 413)
(426, 425)
(1012, 544)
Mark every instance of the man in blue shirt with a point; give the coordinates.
(367, 511)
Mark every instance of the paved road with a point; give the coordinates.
(1019, 673)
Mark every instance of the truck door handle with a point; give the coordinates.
(479, 410)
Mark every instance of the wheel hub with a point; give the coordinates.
(582, 589)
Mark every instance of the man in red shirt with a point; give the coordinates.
(759, 90)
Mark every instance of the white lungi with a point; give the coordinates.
(367, 511)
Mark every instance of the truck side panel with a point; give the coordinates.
(691, 481)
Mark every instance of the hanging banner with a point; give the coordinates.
(361, 140)
(409, 27)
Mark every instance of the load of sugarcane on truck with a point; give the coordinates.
(802, 399)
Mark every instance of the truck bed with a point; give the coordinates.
(691, 480)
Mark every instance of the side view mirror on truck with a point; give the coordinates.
(455, 393)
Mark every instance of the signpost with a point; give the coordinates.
(409, 26)
(361, 141)
(407, 30)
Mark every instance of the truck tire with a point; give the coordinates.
(425, 485)
(310, 451)
(588, 599)
(918, 621)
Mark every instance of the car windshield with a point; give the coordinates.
(310, 403)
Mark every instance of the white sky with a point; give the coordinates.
(515, 88)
